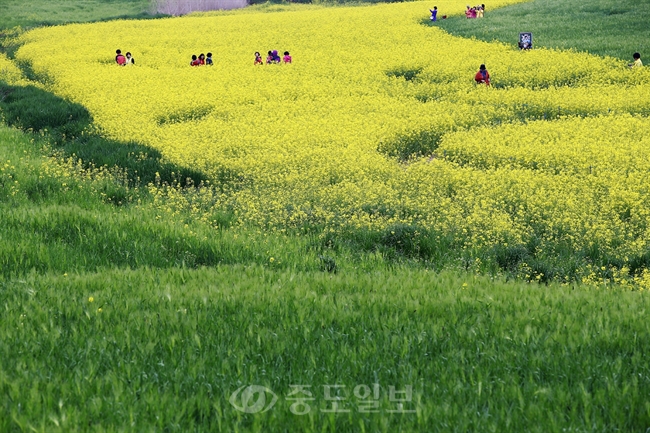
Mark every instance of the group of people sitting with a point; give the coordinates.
(471, 12)
(475, 12)
(201, 60)
(273, 58)
(123, 60)
(481, 77)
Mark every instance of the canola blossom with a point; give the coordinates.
(377, 122)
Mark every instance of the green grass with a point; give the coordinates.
(32, 13)
(169, 347)
(189, 314)
(57, 220)
(601, 27)
(69, 128)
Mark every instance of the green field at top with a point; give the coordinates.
(601, 27)
(32, 13)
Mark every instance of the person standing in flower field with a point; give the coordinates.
(129, 59)
(637, 61)
(482, 76)
(287, 57)
(119, 58)
(208, 60)
(434, 13)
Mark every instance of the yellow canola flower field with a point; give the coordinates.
(377, 123)
(10, 73)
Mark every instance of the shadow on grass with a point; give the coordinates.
(69, 128)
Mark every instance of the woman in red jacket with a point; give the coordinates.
(482, 76)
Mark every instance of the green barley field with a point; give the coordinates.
(603, 27)
(116, 318)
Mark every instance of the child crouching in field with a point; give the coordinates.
(637, 61)
(258, 59)
(482, 76)
(287, 57)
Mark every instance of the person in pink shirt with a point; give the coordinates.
(468, 12)
(119, 58)
(287, 57)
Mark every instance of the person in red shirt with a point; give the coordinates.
(482, 76)
(119, 58)
(201, 59)
(195, 61)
